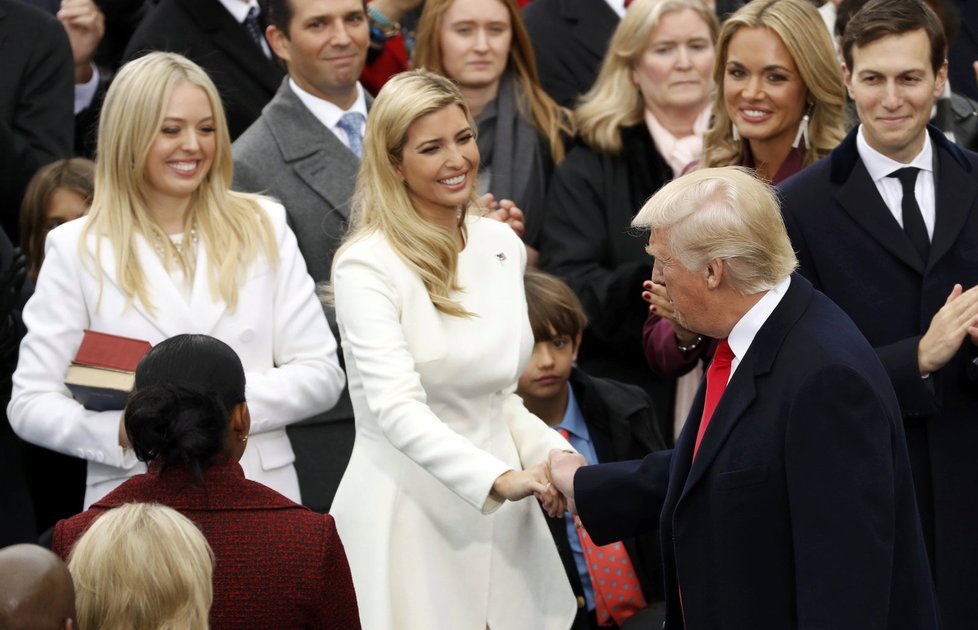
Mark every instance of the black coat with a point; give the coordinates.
(798, 511)
(622, 426)
(570, 38)
(204, 31)
(851, 248)
(36, 100)
(587, 241)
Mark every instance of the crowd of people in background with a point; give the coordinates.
(443, 296)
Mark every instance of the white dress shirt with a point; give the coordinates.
(328, 113)
(239, 11)
(890, 188)
(744, 331)
(618, 6)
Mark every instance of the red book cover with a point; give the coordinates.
(112, 352)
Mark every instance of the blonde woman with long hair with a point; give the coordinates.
(435, 333)
(483, 46)
(780, 102)
(168, 248)
(639, 126)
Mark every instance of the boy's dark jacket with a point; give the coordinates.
(622, 425)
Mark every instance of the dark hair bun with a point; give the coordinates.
(177, 423)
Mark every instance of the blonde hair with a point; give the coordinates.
(803, 33)
(142, 566)
(534, 103)
(725, 213)
(613, 101)
(380, 200)
(232, 226)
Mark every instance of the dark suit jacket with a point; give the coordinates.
(276, 564)
(963, 51)
(851, 248)
(288, 154)
(587, 241)
(36, 101)
(622, 426)
(204, 31)
(570, 38)
(798, 511)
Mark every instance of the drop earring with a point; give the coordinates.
(803, 128)
(736, 132)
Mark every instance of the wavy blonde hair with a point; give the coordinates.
(613, 101)
(232, 226)
(142, 566)
(550, 119)
(803, 33)
(381, 202)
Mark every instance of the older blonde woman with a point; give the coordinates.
(167, 248)
(640, 125)
(433, 319)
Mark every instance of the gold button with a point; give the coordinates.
(581, 602)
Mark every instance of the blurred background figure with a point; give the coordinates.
(483, 46)
(778, 107)
(36, 591)
(226, 38)
(393, 26)
(36, 123)
(166, 249)
(278, 565)
(639, 126)
(59, 192)
(430, 305)
(142, 566)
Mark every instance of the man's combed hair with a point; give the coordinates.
(880, 18)
(724, 213)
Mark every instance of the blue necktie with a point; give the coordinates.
(253, 26)
(352, 123)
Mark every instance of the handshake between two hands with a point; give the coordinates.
(551, 482)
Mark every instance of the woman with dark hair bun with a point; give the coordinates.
(277, 564)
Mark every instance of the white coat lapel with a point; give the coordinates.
(205, 308)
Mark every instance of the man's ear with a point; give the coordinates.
(278, 41)
(577, 344)
(847, 78)
(714, 273)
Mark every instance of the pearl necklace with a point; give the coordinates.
(178, 245)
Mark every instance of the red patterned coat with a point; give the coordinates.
(277, 564)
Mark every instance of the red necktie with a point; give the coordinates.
(716, 381)
(617, 592)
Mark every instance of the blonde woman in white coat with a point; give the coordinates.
(435, 333)
(169, 249)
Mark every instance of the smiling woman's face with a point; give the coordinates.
(439, 162)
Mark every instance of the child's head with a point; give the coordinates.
(558, 320)
(58, 192)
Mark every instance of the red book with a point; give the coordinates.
(111, 352)
(103, 372)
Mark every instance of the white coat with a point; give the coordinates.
(278, 330)
(437, 421)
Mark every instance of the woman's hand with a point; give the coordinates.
(504, 211)
(514, 485)
(660, 304)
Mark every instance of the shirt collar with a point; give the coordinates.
(880, 166)
(239, 10)
(743, 333)
(573, 417)
(328, 113)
